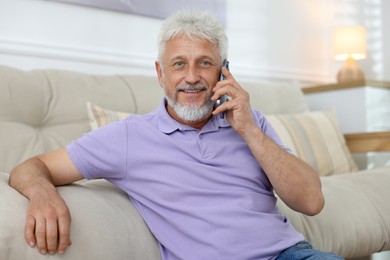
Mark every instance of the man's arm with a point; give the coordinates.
(296, 183)
(48, 217)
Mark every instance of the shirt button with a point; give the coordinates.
(200, 136)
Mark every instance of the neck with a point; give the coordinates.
(197, 125)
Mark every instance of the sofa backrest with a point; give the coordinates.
(43, 110)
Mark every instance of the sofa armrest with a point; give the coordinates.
(354, 222)
(105, 224)
(368, 142)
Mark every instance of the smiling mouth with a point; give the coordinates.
(191, 88)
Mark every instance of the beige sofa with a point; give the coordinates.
(42, 110)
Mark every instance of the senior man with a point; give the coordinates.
(204, 184)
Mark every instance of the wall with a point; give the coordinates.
(281, 39)
(44, 34)
(269, 39)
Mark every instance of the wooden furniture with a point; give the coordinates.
(347, 85)
(368, 142)
(359, 142)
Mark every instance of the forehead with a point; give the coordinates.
(190, 47)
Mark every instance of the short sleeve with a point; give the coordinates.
(101, 153)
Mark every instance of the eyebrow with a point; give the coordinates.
(182, 57)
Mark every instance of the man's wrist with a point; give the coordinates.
(30, 177)
(251, 134)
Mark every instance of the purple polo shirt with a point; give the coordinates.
(202, 193)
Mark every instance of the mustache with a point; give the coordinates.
(187, 87)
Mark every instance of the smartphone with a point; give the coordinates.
(225, 97)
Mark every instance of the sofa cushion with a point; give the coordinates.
(276, 97)
(355, 220)
(43, 110)
(99, 210)
(315, 137)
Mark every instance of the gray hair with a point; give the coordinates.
(193, 24)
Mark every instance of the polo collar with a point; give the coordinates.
(168, 125)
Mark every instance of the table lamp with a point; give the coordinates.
(350, 45)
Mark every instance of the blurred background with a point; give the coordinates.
(269, 39)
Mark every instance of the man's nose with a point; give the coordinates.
(193, 75)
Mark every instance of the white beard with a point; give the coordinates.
(191, 113)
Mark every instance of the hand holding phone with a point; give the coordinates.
(225, 97)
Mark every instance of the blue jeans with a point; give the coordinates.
(303, 250)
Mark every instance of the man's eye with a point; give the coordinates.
(178, 64)
(205, 63)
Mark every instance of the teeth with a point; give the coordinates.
(192, 91)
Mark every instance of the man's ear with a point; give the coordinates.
(159, 72)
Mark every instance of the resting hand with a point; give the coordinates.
(237, 110)
(48, 222)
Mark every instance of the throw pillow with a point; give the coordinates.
(315, 137)
(100, 116)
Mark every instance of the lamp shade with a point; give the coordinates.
(350, 41)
